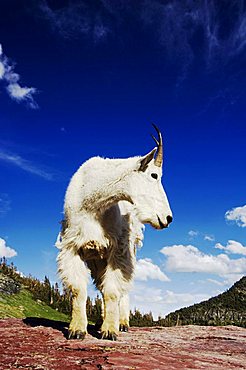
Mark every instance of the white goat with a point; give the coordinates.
(107, 203)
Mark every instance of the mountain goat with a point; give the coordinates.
(107, 203)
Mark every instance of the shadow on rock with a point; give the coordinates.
(59, 325)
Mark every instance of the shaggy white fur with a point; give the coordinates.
(107, 203)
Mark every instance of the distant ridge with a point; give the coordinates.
(228, 308)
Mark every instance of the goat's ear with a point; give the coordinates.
(144, 161)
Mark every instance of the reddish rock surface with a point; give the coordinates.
(41, 344)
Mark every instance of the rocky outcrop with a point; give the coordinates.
(8, 285)
(42, 344)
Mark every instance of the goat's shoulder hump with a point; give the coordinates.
(91, 163)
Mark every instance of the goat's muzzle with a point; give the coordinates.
(164, 225)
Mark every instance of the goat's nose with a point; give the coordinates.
(169, 219)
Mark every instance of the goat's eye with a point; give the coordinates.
(154, 175)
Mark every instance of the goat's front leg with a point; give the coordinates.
(74, 274)
(124, 312)
(111, 299)
(78, 325)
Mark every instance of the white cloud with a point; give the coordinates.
(13, 88)
(6, 251)
(230, 279)
(183, 299)
(22, 93)
(238, 215)
(146, 269)
(181, 258)
(161, 302)
(232, 247)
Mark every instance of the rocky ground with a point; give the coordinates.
(42, 344)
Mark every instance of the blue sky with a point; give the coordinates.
(85, 78)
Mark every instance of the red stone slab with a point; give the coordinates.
(187, 347)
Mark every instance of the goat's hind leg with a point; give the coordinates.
(73, 273)
(124, 312)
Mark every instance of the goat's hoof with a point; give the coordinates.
(77, 334)
(124, 327)
(110, 335)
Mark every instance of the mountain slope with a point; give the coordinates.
(228, 308)
(16, 301)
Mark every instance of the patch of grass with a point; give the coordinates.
(22, 304)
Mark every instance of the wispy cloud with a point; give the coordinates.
(192, 234)
(11, 78)
(24, 164)
(77, 19)
(210, 238)
(6, 251)
(238, 215)
(216, 282)
(4, 204)
(146, 269)
(179, 23)
(178, 26)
